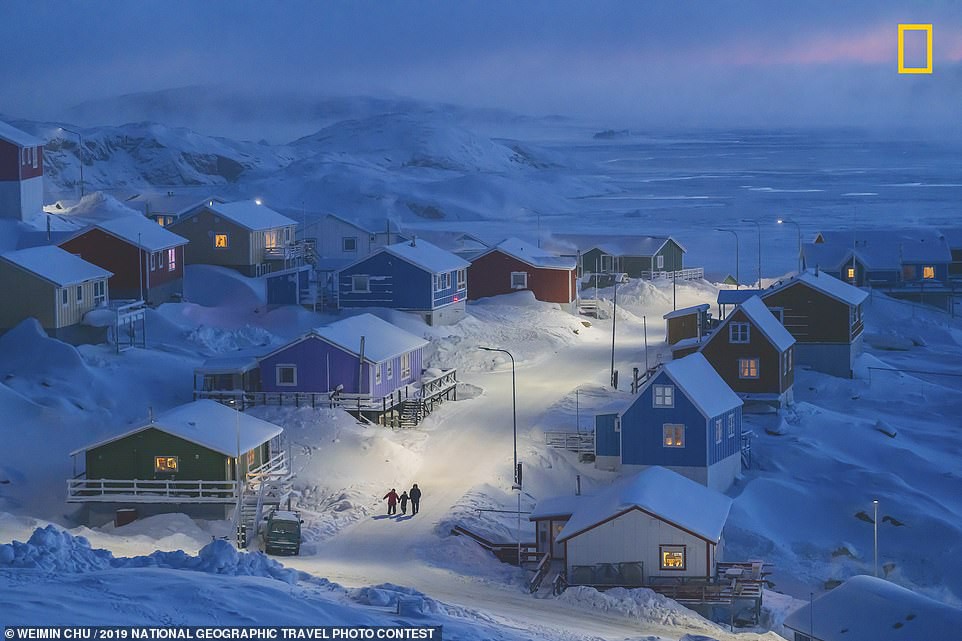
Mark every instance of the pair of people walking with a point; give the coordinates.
(414, 496)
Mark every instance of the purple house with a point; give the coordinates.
(362, 355)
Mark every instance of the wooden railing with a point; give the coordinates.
(82, 490)
(571, 441)
(692, 273)
(540, 572)
(275, 469)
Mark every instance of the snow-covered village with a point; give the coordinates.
(514, 321)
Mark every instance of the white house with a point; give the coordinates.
(670, 525)
(349, 240)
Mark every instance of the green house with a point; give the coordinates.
(188, 459)
(638, 256)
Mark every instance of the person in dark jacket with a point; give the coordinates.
(404, 502)
(391, 502)
(415, 496)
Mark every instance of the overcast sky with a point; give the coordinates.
(679, 63)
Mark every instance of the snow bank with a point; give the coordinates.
(640, 603)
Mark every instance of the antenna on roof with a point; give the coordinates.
(150, 414)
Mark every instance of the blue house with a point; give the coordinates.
(684, 418)
(362, 355)
(413, 276)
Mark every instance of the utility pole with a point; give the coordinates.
(875, 523)
(614, 318)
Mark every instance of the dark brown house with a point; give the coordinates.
(825, 317)
(753, 353)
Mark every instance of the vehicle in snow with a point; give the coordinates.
(283, 532)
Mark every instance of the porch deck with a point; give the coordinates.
(84, 490)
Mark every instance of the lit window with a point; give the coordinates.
(731, 425)
(739, 333)
(286, 374)
(519, 280)
(270, 238)
(349, 244)
(747, 368)
(672, 557)
(674, 435)
(851, 273)
(361, 284)
(390, 370)
(166, 464)
(664, 396)
(718, 430)
(462, 279)
(220, 241)
(250, 459)
(405, 365)
(377, 374)
(928, 271)
(171, 259)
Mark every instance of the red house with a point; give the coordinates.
(146, 259)
(21, 173)
(514, 265)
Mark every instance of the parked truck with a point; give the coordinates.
(282, 535)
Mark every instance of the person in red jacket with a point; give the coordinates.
(392, 498)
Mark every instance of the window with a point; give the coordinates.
(663, 396)
(166, 464)
(250, 459)
(35, 152)
(607, 264)
(779, 313)
(24, 157)
(361, 284)
(221, 241)
(519, 280)
(661, 262)
(100, 292)
(271, 237)
(405, 365)
(731, 425)
(739, 333)
(377, 374)
(80, 293)
(153, 261)
(718, 430)
(172, 259)
(437, 283)
(851, 273)
(390, 370)
(674, 435)
(447, 280)
(286, 374)
(63, 296)
(462, 278)
(349, 244)
(747, 368)
(928, 271)
(672, 557)
(908, 272)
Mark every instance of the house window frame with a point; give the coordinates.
(672, 548)
(739, 333)
(778, 313)
(719, 431)
(523, 283)
(377, 373)
(850, 273)
(660, 261)
(80, 294)
(663, 393)
(405, 364)
(742, 362)
(162, 464)
(673, 435)
(354, 284)
(462, 278)
(928, 272)
(172, 259)
(100, 292)
(65, 296)
(731, 425)
(438, 282)
(226, 238)
(346, 241)
(35, 153)
(278, 368)
(447, 280)
(390, 370)
(153, 261)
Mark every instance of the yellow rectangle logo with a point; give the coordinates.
(927, 28)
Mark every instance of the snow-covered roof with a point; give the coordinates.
(825, 283)
(699, 381)
(456, 242)
(661, 492)
(370, 225)
(242, 360)
(735, 296)
(866, 608)
(556, 506)
(426, 256)
(16, 136)
(688, 311)
(382, 340)
(877, 248)
(247, 213)
(620, 245)
(763, 319)
(55, 265)
(141, 232)
(209, 424)
(533, 255)
(171, 203)
(953, 237)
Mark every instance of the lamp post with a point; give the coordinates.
(735, 234)
(782, 221)
(875, 524)
(759, 226)
(514, 434)
(237, 474)
(614, 320)
(80, 155)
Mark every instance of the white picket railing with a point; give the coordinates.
(81, 490)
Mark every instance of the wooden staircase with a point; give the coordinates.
(268, 486)
(412, 412)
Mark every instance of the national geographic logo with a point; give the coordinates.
(927, 29)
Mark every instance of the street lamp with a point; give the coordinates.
(733, 233)
(782, 221)
(514, 434)
(759, 226)
(80, 155)
(237, 474)
(875, 523)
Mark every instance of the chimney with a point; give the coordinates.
(414, 240)
(816, 269)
